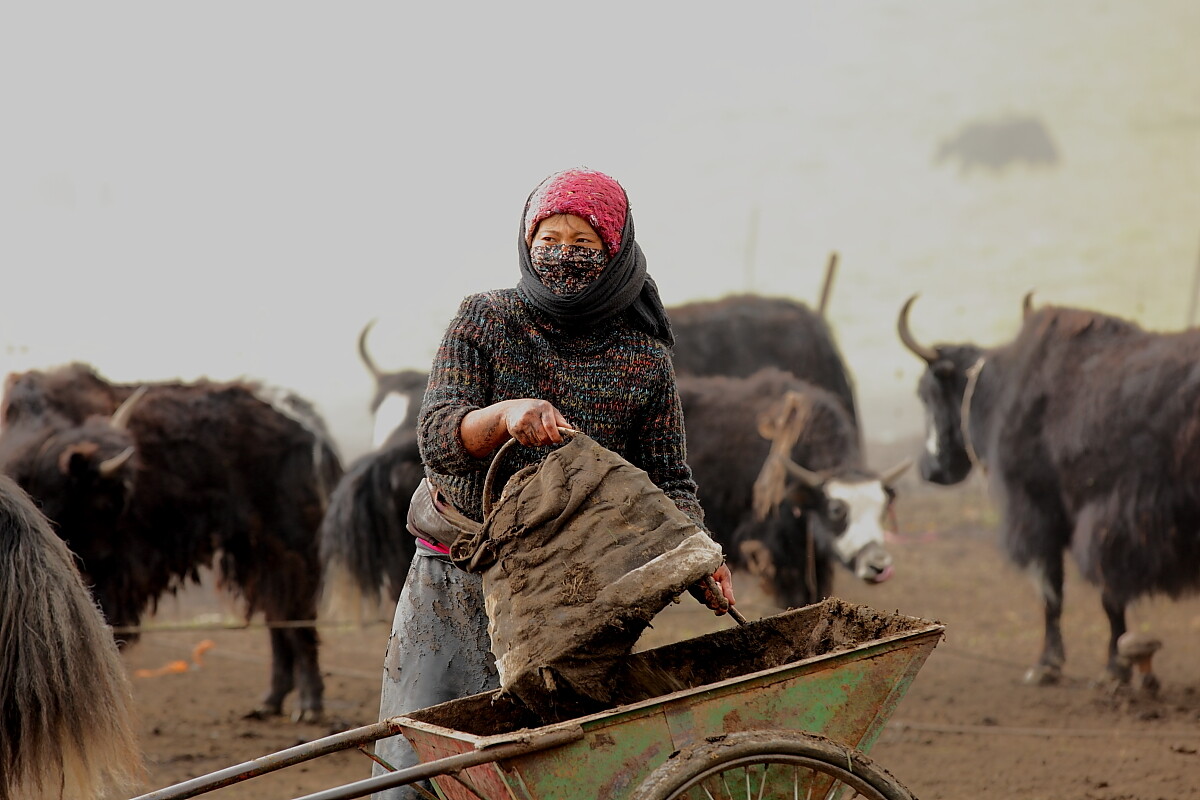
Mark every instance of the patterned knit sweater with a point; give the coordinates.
(614, 383)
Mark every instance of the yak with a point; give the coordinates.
(783, 483)
(741, 333)
(66, 705)
(150, 484)
(1087, 427)
(397, 396)
(364, 545)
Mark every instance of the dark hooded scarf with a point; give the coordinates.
(623, 287)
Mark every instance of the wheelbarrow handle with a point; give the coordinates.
(710, 583)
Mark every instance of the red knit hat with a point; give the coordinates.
(587, 194)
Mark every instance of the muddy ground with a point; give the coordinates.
(967, 728)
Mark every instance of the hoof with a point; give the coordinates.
(309, 715)
(1147, 684)
(1113, 683)
(1043, 675)
(262, 712)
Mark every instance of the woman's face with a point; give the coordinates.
(566, 229)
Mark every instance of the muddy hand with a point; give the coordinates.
(533, 422)
(715, 599)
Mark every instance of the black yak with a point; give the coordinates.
(364, 545)
(149, 485)
(1088, 428)
(739, 334)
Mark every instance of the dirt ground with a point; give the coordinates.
(968, 726)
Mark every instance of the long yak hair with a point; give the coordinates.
(67, 726)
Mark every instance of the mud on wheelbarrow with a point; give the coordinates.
(787, 706)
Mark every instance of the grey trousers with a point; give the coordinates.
(438, 651)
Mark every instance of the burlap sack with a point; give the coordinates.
(579, 553)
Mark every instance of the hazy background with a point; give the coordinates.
(230, 189)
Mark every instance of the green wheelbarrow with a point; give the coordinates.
(784, 707)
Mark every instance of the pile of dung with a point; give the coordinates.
(808, 634)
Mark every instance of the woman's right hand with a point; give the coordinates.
(534, 422)
(530, 421)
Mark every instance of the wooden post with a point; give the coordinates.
(1191, 315)
(827, 286)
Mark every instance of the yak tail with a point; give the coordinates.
(364, 544)
(66, 705)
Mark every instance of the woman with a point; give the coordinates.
(582, 342)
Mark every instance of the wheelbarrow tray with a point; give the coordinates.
(833, 668)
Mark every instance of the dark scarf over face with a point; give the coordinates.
(623, 287)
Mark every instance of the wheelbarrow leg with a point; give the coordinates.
(418, 788)
(449, 765)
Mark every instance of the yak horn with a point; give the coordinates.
(809, 477)
(895, 472)
(928, 354)
(1027, 304)
(364, 355)
(109, 466)
(120, 417)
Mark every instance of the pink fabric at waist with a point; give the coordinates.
(434, 546)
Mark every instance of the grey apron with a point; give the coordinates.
(438, 651)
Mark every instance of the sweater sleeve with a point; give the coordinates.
(460, 381)
(661, 448)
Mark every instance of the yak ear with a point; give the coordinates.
(75, 461)
(806, 496)
(757, 558)
(943, 368)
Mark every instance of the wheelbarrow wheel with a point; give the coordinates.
(770, 765)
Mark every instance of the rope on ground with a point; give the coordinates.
(1000, 730)
(967, 655)
(225, 654)
(247, 626)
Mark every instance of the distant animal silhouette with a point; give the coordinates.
(998, 144)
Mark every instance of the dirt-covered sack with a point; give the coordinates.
(579, 553)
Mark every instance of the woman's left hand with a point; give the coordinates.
(724, 580)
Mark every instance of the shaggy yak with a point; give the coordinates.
(1088, 429)
(66, 708)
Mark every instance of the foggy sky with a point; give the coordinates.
(230, 189)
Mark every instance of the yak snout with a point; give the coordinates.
(873, 563)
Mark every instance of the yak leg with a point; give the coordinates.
(307, 671)
(1049, 575)
(1115, 610)
(294, 661)
(282, 674)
